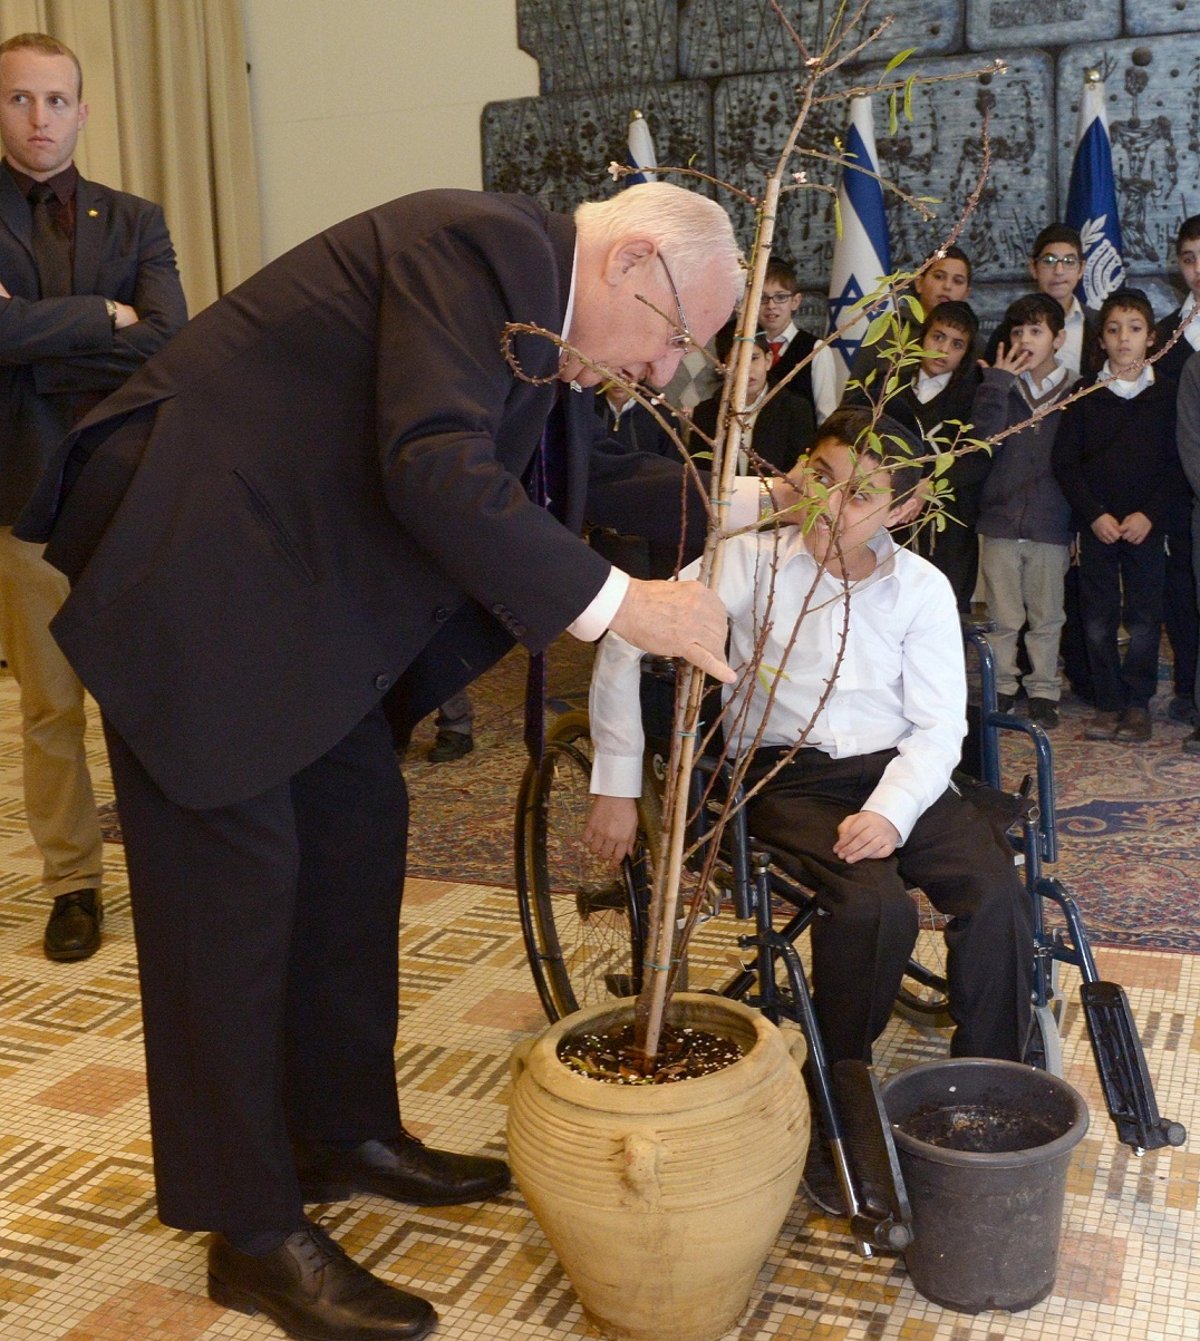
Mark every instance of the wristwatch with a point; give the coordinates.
(112, 312)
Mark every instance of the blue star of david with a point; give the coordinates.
(847, 343)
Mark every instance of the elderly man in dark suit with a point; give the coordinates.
(88, 291)
(316, 494)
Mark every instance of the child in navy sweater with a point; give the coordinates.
(1116, 461)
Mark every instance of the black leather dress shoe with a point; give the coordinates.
(73, 931)
(314, 1291)
(404, 1170)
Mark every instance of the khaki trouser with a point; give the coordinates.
(59, 803)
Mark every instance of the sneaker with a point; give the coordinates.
(1005, 702)
(450, 745)
(1101, 725)
(1044, 711)
(1133, 725)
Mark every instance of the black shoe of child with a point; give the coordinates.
(1044, 711)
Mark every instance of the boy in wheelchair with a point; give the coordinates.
(865, 807)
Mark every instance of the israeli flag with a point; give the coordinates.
(861, 256)
(641, 150)
(1092, 199)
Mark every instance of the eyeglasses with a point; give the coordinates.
(775, 299)
(682, 340)
(1068, 261)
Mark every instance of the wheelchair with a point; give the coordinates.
(583, 927)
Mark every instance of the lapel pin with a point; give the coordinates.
(93, 214)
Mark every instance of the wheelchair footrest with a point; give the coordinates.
(1124, 1076)
(882, 1217)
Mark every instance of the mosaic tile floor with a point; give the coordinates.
(82, 1257)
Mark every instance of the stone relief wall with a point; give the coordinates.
(714, 80)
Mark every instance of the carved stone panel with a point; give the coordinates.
(1153, 92)
(1161, 16)
(1005, 25)
(728, 37)
(938, 154)
(558, 148)
(589, 45)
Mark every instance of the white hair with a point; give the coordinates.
(693, 232)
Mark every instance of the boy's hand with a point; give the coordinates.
(865, 835)
(1106, 529)
(1136, 527)
(611, 827)
(676, 619)
(1010, 360)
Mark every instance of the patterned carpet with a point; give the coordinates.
(1129, 815)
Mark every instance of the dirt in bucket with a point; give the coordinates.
(613, 1056)
(985, 1129)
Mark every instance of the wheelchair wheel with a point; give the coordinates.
(1044, 1046)
(581, 920)
(923, 998)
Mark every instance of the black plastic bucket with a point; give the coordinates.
(984, 1148)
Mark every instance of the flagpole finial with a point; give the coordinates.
(636, 115)
(1092, 77)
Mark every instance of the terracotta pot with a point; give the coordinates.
(662, 1201)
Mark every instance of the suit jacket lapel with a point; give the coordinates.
(92, 208)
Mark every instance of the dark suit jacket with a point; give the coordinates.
(315, 491)
(55, 351)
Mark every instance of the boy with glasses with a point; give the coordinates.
(816, 382)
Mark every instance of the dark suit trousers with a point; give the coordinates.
(267, 948)
(868, 926)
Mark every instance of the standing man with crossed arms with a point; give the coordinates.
(88, 291)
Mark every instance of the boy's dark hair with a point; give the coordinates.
(957, 315)
(1056, 234)
(1127, 300)
(950, 253)
(1189, 231)
(723, 340)
(783, 274)
(1033, 309)
(850, 428)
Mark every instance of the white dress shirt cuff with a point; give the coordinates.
(605, 604)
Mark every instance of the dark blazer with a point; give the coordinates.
(57, 352)
(314, 492)
(783, 428)
(1171, 364)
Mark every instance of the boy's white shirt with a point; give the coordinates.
(927, 387)
(901, 682)
(1127, 388)
(1071, 350)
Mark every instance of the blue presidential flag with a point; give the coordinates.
(1092, 199)
(640, 151)
(861, 255)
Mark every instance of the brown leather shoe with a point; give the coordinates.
(404, 1170)
(73, 929)
(1134, 725)
(1101, 725)
(314, 1291)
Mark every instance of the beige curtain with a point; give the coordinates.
(167, 85)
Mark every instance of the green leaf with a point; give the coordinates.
(893, 116)
(837, 217)
(942, 462)
(913, 303)
(898, 60)
(908, 90)
(877, 329)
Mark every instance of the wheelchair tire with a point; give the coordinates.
(1044, 1046)
(580, 919)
